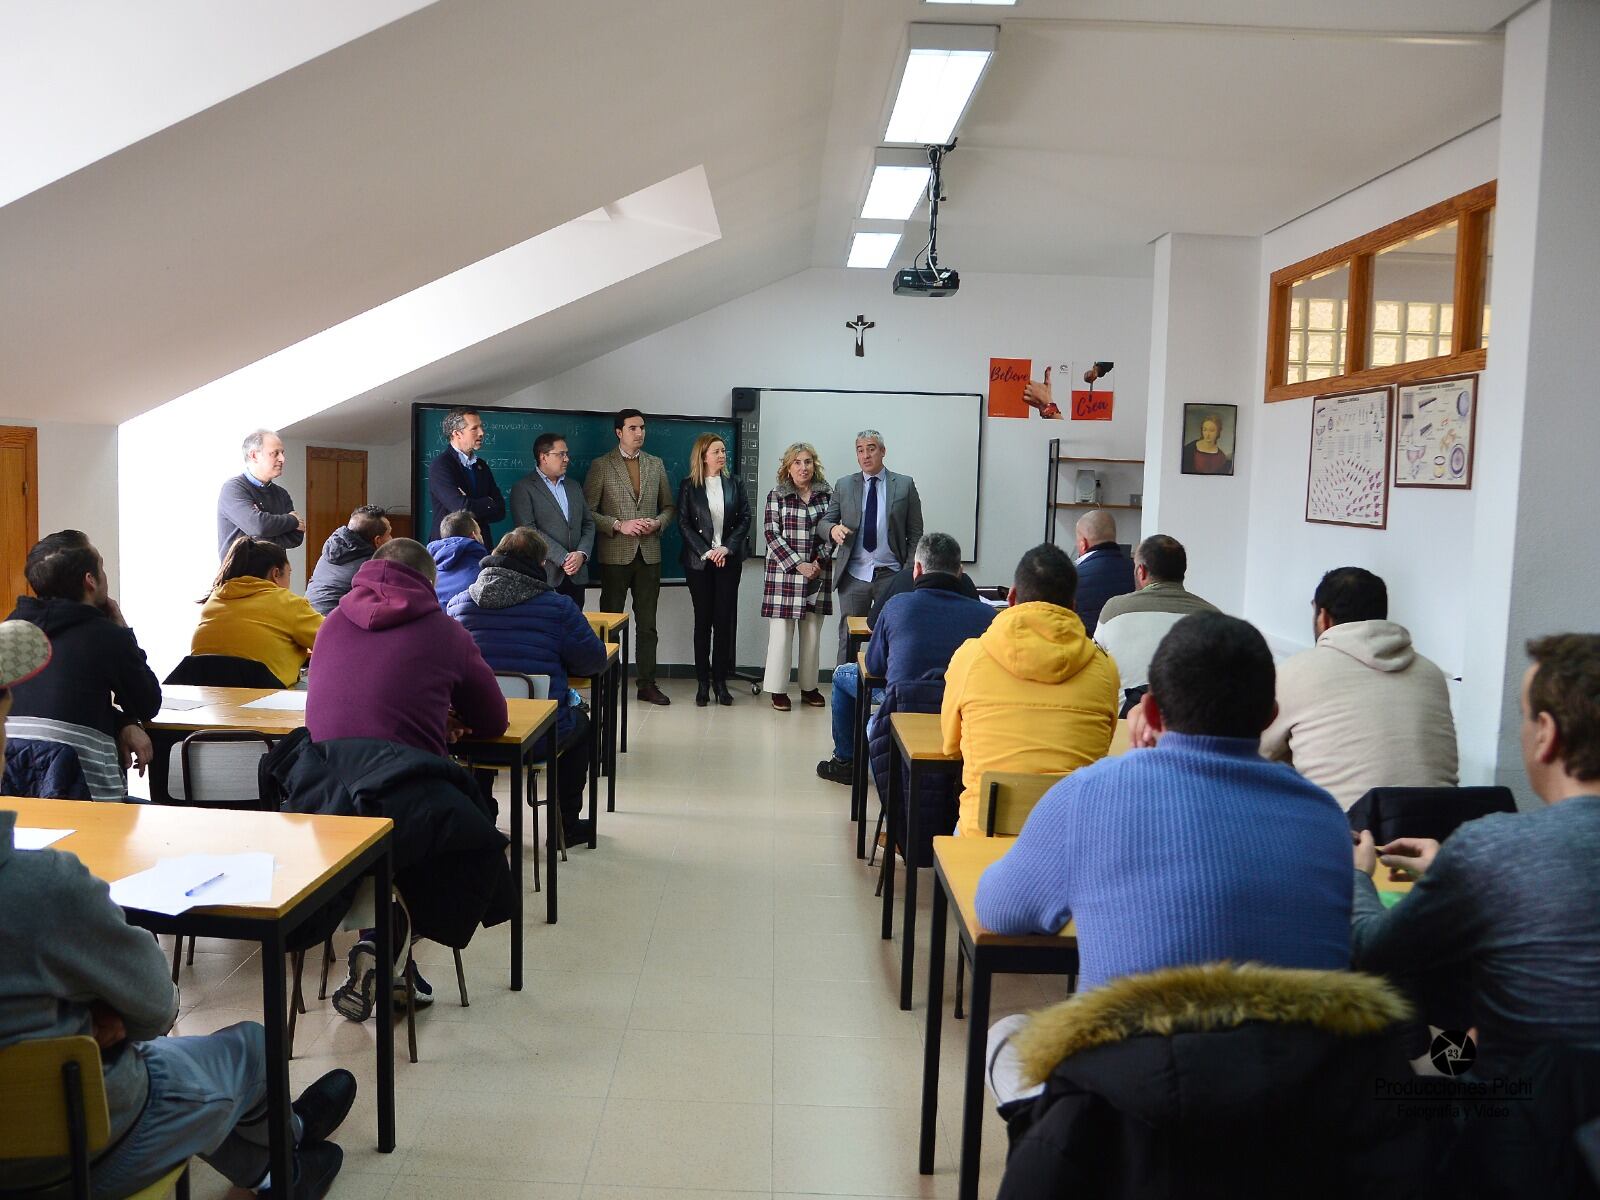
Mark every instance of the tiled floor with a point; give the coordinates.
(715, 1012)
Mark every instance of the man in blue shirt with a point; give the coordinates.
(548, 500)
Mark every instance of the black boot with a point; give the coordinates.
(723, 696)
(702, 693)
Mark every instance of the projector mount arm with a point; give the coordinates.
(935, 194)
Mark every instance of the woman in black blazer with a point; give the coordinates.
(714, 516)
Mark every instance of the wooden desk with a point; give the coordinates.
(603, 700)
(616, 627)
(316, 857)
(920, 744)
(861, 774)
(530, 720)
(857, 634)
(957, 864)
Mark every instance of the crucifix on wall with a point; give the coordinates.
(860, 325)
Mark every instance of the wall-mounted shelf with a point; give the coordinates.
(1053, 480)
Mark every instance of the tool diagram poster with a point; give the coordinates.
(1433, 433)
(1348, 481)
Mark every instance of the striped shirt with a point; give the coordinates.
(97, 754)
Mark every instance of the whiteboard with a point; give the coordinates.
(935, 437)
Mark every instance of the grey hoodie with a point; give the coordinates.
(1362, 709)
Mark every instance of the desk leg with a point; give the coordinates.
(861, 777)
(552, 857)
(383, 886)
(930, 1043)
(972, 1087)
(910, 804)
(519, 771)
(891, 823)
(274, 1001)
(596, 732)
(627, 639)
(161, 744)
(613, 699)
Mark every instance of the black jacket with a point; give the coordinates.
(452, 489)
(1109, 573)
(694, 518)
(93, 661)
(449, 859)
(1222, 1081)
(342, 556)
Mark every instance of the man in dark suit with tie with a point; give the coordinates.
(459, 479)
(875, 521)
(554, 505)
(1104, 570)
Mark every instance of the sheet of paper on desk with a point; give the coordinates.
(164, 888)
(179, 704)
(37, 839)
(285, 701)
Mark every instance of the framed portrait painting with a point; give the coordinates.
(1209, 438)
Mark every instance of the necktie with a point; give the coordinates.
(869, 517)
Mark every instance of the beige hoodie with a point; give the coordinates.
(1362, 709)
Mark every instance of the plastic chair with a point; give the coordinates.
(53, 1105)
(1396, 812)
(222, 670)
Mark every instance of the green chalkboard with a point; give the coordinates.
(508, 449)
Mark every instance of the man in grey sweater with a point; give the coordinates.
(251, 504)
(71, 965)
(1502, 931)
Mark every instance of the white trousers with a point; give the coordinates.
(780, 645)
(1004, 1072)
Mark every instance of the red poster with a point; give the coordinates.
(1092, 406)
(1007, 379)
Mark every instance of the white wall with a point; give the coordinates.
(1426, 552)
(78, 485)
(792, 335)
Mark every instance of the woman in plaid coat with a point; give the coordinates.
(797, 589)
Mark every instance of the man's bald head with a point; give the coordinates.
(1097, 526)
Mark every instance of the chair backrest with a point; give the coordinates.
(1005, 798)
(222, 670)
(220, 768)
(53, 1100)
(1396, 812)
(516, 686)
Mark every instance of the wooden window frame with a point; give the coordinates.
(1471, 211)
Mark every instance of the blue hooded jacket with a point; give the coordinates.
(458, 560)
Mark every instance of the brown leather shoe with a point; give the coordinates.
(780, 701)
(813, 699)
(649, 693)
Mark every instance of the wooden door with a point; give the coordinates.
(336, 485)
(19, 508)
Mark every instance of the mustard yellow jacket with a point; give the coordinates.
(254, 618)
(1031, 693)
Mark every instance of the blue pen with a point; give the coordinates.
(200, 887)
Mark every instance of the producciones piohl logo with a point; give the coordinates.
(1453, 1052)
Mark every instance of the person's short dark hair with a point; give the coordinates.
(1212, 675)
(1566, 684)
(622, 418)
(460, 523)
(56, 565)
(939, 552)
(409, 553)
(368, 521)
(525, 543)
(456, 420)
(543, 443)
(1046, 573)
(1352, 594)
(1163, 557)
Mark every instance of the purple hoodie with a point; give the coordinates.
(388, 663)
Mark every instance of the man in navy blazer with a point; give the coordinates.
(1104, 570)
(459, 479)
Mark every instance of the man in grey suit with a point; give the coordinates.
(554, 505)
(875, 521)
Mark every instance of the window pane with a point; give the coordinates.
(1314, 306)
(1385, 350)
(1419, 318)
(1338, 352)
(1297, 347)
(1318, 372)
(1293, 375)
(1297, 314)
(1319, 348)
(1488, 274)
(1321, 314)
(1445, 345)
(1447, 317)
(1418, 348)
(1486, 321)
(1414, 277)
(1386, 316)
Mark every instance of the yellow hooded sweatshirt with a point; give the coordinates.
(1032, 693)
(249, 617)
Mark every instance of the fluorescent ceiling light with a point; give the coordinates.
(895, 191)
(943, 66)
(872, 249)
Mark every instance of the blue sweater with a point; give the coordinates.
(1198, 850)
(919, 630)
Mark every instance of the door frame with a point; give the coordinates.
(27, 438)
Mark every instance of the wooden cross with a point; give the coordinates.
(860, 325)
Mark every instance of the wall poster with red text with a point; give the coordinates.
(1008, 378)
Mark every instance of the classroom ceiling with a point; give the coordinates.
(471, 125)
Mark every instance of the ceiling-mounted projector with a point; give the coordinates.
(919, 281)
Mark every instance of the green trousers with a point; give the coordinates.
(644, 579)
